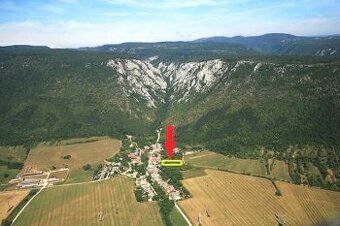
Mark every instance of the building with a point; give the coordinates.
(135, 159)
(29, 183)
(33, 173)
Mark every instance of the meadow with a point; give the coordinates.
(194, 172)
(223, 198)
(61, 175)
(218, 161)
(45, 157)
(11, 161)
(207, 159)
(279, 170)
(176, 218)
(82, 204)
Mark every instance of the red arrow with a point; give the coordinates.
(169, 141)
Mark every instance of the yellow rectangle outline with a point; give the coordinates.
(172, 162)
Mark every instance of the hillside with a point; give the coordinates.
(63, 94)
(177, 51)
(282, 107)
(284, 44)
(238, 46)
(275, 104)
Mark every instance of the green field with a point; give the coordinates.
(12, 155)
(81, 204)
(7, 174)
(176, 218)
(218, 161)
(280, 170)
(79, 175)
(194, 172)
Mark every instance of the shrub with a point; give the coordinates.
(86, 167)
(67, 157)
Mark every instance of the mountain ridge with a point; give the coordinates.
(216, 46)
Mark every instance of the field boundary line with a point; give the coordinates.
(183, 214)
(16, 217)
(200, 156)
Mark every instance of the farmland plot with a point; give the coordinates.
(109, 202)
(222, 198)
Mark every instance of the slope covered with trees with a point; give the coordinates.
(239, 105)
(61, 94)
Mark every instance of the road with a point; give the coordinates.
(45, 181)
(183, 214)
(158, 135)
(177, 207)
(16, 217)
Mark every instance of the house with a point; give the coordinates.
(135, 159)
(29, 183)
(52, 180)
(33, 173)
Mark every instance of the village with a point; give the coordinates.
(32, 178)
(152, 174)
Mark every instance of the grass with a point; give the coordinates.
(194, 172)
(280, 171)
(233, 199)
(61, 175)
(7, 174)
(9, 200)
(44, 157)
(176, 218)
(218, 161)
(10, 154)
(313, 170)
(80, 204)
(79, 175)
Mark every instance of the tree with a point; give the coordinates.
(67, 157)
(144, 158)
(139, 195)
(86, 167)
(278, 193)
(6, 222)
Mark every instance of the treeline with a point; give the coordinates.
(165, 204)
(11, 165)
(326, 169)
(172, 174)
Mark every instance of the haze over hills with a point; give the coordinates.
(285, 44)
(219, 46)
(272, 43)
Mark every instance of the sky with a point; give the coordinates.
(76, 23)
